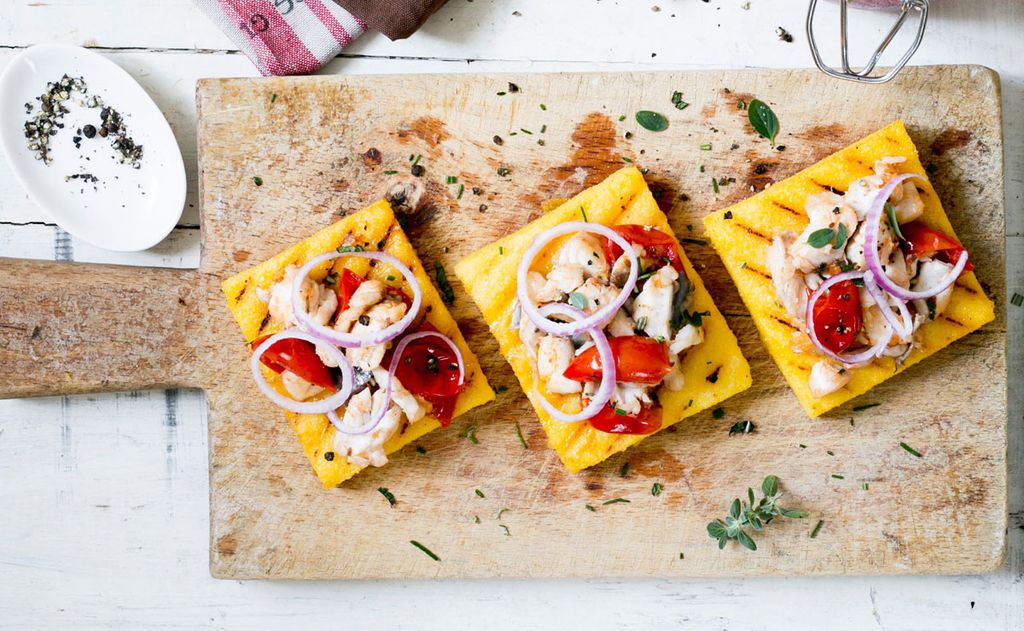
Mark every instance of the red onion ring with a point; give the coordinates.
(604, 352)
(349, 340)
(903, 327)
(302, 407)
(392, 367)
(847, 358)
(874, 219)
(600, 317)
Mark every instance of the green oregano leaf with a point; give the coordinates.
(651, 121)
(763, 119)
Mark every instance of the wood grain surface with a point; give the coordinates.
(310, 142)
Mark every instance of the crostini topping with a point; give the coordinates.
(864, 275)
(608, 322)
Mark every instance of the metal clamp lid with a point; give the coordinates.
(864, 75)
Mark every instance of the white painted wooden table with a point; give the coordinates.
(103, 499)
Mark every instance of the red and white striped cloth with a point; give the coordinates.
(285, 37)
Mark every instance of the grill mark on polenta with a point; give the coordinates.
(266, 319)
(827, 187)
(761, 273)
(245, 286)
(953, 320)
(966, 288)
(753, 231)
(785, 322)
(792, 211)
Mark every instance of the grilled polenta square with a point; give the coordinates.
(742, 233)
(712, 371)
(373, 228)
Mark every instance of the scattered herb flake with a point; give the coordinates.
(838, 477)
(345, 249)
(622, 118)
(589, 507)
(617, 500)
(500, 513)
(519, 433)
(388, 495)
(543, 107)
(447, 293)
(503, 171)
(864, 486)
(717, 413)
(480, 493)
(425, 549)
(273, 97)
(742, 427)
(451, 179)
(470, 434)
(390, 172)
(817, 529)
(656, 489)
(714, 184)
(866, 406)
(910, 450)
(508, 533)
(1017, 300)
(706, 147)
(257, 180)
(624, 470)
(458, 195)
(890, 213)
(693, 241)
(651, 121)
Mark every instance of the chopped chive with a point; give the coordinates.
(500, 513)
(803, 446)
(656, 489)
(480, 493)
(390, 172)
(838, 477)
(390, 277)
(617, 500)
(425, 549)
(589, 507)
(583, 211)
(624, 470)
(388, 495)
(416, 160)
(543, 107)
(458, 195)
(817, 529)
(543, 128)
(508, 533)
(501, 93)
(451, 179)
(625, 159)
(447, 293)
(864, 486)
(273, 97)
(866, 406)
(526, 131)
(910, 450)
(519, 433)
(706, 147)
(714, 184)
(501, 250)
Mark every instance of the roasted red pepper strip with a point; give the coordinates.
(654, 243)
(637, 360)
(298, 357)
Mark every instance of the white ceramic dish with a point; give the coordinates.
(127, 209)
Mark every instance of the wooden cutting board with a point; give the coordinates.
(325, 145)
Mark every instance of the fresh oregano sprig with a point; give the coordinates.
(756, 515)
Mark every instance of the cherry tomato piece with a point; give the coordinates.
(611, 422)
(429, 369)
(298, 357)
(637, 360)
(919, 240)
(837, 317)
(654, 243)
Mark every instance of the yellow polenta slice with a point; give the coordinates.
(742, 233)
(714, 371)
(374, 228)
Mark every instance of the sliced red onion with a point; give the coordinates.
(874, 219)
(904, 326)
(600, 317)
(604, 351)
(392, 367)
(349, 340)
(848, 359)
(303, 407)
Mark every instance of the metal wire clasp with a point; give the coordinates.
(864, 74)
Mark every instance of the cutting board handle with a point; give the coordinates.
(68, 328)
